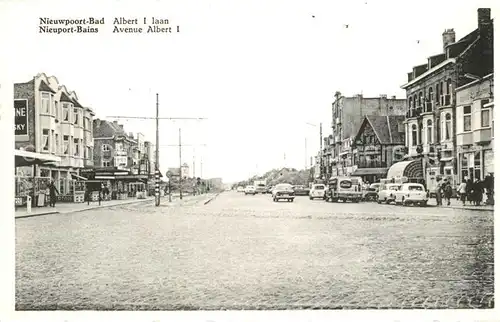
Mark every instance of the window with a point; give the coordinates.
(65, 112)
(46, 103)
(75, 119)
(485, 114)
(437, 93)
(66, 144)
(106, 164)
(119, 146)
(57, 143)
(420, 99)
(77, 147)
(409, 103)
(448, 126)
(467, 119)
(413, 135)
(431, 95)
(105, 147)
(45, 140)
(429, 131)
(86, 123)
(53, 142)
(447, 172)
(56, 106)
(420, 133)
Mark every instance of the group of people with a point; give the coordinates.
(468, 191)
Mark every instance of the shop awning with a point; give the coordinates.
(369, 171)
(78, 177)
(27, 158)
(410, 169)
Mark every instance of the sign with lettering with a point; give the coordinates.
(21, 117)
(345, 184)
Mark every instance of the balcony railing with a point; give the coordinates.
(371, 164)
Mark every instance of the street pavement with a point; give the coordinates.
(248, 252)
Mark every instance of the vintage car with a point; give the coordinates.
(387, 192)
(371, 194)
(283, 191)
(250, 190)
(317, 191)
(301, 190)
(411, 193)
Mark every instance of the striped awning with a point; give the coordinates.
(409, 169)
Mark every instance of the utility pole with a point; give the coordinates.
(321, 170)
(180, 164)
(157, 157)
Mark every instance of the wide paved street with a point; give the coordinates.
(247, 252)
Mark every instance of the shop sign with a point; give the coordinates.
(21, 117)
(345, 184)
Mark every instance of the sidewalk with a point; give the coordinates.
(67, 208)
(456, 204)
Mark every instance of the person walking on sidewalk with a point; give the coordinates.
(468, 190)
(477, 192)
(52, 192)
(448, 192)
(462, 191)
(439, 201)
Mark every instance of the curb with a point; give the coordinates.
(463, 208)
(206, 202)
(81, 210)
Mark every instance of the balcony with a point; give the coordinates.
(482, 135)
(371, 164)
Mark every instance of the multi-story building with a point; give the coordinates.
(150, 155)
(347, 115)
(55, 124)
(379, 143)
(474, 129)
(431, 115)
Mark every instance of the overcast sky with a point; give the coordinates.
(258, 70)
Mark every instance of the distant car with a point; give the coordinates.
(261, 188)
(387, 192)
(240, 189)
(301, 190)
(283, 191)
(371, 194)
(411, 193)
(250, 190)
(317, 191)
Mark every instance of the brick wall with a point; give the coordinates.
(27, 91)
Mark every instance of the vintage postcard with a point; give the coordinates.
(309, 160)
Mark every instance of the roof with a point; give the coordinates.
(75, 102)
(385, 128)
(66, 98)
(44, 87)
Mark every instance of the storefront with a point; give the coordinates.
(371, 175)
(412, 170)
(475, 162)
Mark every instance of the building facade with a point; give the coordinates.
(431, 119)
(348, 114)
(474, 129)
(379, 143)
(51, 120)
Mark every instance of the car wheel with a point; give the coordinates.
(310, 198)
(387, 201)
(423, 204)
(379, 201)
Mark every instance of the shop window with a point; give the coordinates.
(45, 140)
(467, 119)
(429, 131)
(448, 125)
(46, 103)
(66, 144)
(485, 114)
(413, 135)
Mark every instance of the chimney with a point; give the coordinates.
(97, 123)
(121, 127)
(448, 38)
(483, 18)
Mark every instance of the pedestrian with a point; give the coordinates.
(438, 193)
(448, 192)
(489, 183)
(477, 192)
(468, 190)
(52, 191)
(462, 191)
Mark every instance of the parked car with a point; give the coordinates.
(371, 194)
(317, 191)
(240, 189)
(301, 190)
(411, 193)
(387, 192)
(283, 191)
(250, 190)
(261, 188)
